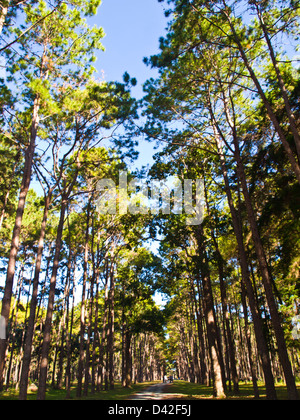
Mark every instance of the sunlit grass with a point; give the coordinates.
(183, 390)
(119, 393)
(196, 391)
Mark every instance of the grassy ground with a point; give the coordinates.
(187, 390)
(195, 391)
(119, 393)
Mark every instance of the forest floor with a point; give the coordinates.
(188, 391)
(179, 390)
(157, 392)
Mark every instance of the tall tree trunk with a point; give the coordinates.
(210, 318)
(104, 330)
(69, 330)
(6, 301)
(82, 316)
(64, 332)
(96, 340)
(249, 345)
(224, 302)
(227, 331)
(47, 329)
(267, 281)
(123, 336)
(8, 189)
(199, 317)
(89, 332)
(96, 270)
(262, 261)
(128, 378)
(33, 304)
(257, 321)
(13, 322)
(110, 343)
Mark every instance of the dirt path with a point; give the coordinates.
(156, 392)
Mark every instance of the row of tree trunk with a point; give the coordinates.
(236, 355)
(50, 350)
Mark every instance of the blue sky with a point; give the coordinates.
(133, 29)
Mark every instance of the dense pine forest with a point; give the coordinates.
(97, 290)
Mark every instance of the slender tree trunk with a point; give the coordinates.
(8, 190)
(64, 333)
(199, 317)
(47, 329)
(89, 330)
(69, 329)
(20, 356)
(6, 301)
(123, 337)
(128, 378)
(33, 304)
(258, 326)
(104, 330)
(111, 327)
(224, 301)
(56, 347)
(13, 322)
(264, 269)
(227, 331)
(93, 388)
(82, 317)
(96, 269)
(249, 345)
(210, 318)
(267, 281)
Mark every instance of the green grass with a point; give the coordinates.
(119, 393)
(195, 391)
(186, 391)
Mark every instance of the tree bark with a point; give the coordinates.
(104, 330)
(82, 316)
(110, 343)
(258, 326)
(96, 269)
(227, 324)
(33, 304)
(199, 316)
(9, 188)
(262, 261)
(267, 281)
(6, 301)
(210, 318)
(69, 330)
(47, 330)
(224, 302)
(128, 378)
(249, 345)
